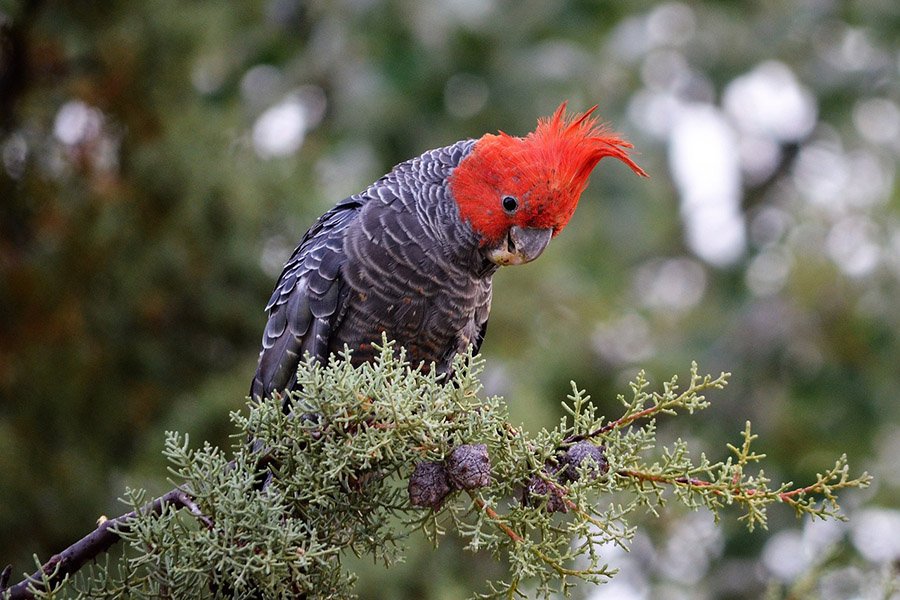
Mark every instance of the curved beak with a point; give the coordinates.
(521, 245)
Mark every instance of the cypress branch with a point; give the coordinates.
(378, 452)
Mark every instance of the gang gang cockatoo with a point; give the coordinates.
(413, 255)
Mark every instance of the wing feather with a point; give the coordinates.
(303, 308)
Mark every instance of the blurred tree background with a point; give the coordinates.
(160, 160)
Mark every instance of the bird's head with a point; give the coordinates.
(519, 192)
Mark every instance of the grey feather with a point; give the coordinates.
(395, 258)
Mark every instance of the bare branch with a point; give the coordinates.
(107, 534)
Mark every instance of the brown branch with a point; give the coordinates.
(492, 514)
(662, 404)
(681, 480)
(620, 422)
(107, 533)
(737, 490)
(788, 497)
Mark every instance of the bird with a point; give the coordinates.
(412, 256)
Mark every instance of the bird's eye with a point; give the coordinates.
(510, 204)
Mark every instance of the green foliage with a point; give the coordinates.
(339, 469)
